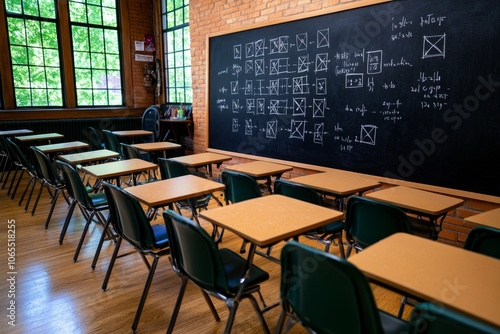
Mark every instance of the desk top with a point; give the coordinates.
(131, 133)
(176, 120)
(462, 280)
(163, 192)
(342, 184)
(267, 220)
(488, 218)
(425, 202)
(119, 168)
(6, 133)
(85, 157)
(156, 146)
(259, 169)
(41, 136)
(67, 146)
(202, 159)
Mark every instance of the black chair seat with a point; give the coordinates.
(98, 199)
(391, 324)
(234, 266)
(160, 233)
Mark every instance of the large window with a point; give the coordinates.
(35, 32)
(177, 57)
(34, 51)
(96, 52)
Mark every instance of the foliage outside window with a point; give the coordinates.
(96, 52)
(177, 57)
(34, 35)
(34, 51)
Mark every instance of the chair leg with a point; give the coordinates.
(54, 201)
(37, 198)
(233, 307)
(66, 222)
(82, 238)
(259, 313)
(281, 322)
(17, 184)
(101, 241)
(13, 179)
(111, 264)
(145, 292)
(177, 306)
(32, 180)
(28, 200)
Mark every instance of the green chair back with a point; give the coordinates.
(131, 221)
(428, 318)
(368, 221)
(74, 185)
(111, 142)
(326, 293)
(297, 191)
(196, 254)
(171, 168)
(46, 168)
(239, 187)
(484, 240)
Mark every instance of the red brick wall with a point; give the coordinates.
(214, 16)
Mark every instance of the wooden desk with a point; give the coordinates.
(157, 146)
(90, 156)
(205, 159)
(13, 133)
(261, 169)
(267, 220)
(173, 124)
(62, 147)
(338, 184)
(116, 169)
(39, 137)
(465, 281)
(165, 192)
(489, 218)
(420, 202)
(264, 221)
(132, 133)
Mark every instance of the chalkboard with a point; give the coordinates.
(404, 89)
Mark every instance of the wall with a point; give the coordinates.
(214, 16)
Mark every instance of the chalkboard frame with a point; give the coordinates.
(339, 8)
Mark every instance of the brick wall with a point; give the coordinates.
(214, 16)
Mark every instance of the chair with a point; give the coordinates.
(429, 318)
(112, 143)
(151, 121)
(368, 221)
(93, 138)
(217, 271)
(484, 240)
(131, 224)
(29, 168)
(12, 157)
(90, 204)
(131, 152)
(325, 234)
(239, 187)
(327, 294)
(50, 179)
(170, 169)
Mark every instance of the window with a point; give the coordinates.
(177, 57)
(96, 52)
(34, 51)
(35, 33)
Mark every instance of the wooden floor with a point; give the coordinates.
(54, 294)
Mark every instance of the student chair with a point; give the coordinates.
(326, 234)
(368, 221)
(91, 205)
(429, 318)
(217, 271)
(132, 225)
(484, 240)
(327, 294)
(151, 122)
(50, 180)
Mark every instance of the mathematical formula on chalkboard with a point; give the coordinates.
(404, 89)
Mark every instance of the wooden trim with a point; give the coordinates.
(67, 55)
(70, 114)
(5, 68)
(442, 190)
(128, 79)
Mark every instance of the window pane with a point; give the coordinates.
(35, 56)
(97, 69)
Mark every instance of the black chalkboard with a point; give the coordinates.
(403, 89)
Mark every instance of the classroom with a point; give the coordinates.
(358, 103)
